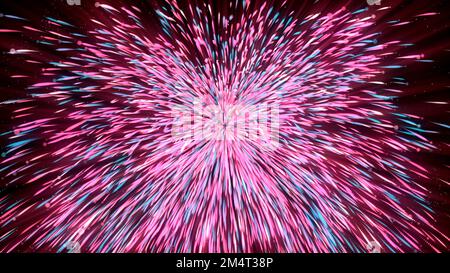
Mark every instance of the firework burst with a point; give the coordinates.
(93, 138)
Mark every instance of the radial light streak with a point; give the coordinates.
(93, 138)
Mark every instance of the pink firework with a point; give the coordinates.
(234, 127)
